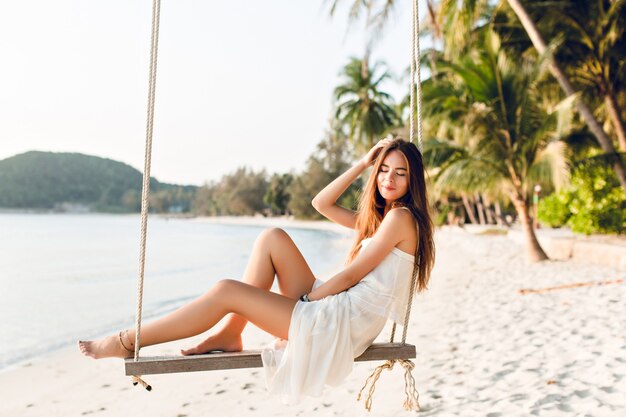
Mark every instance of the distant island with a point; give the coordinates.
(76, 182)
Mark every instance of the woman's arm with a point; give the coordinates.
(325, 202)
(396, 226)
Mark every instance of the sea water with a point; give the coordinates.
(65, 277)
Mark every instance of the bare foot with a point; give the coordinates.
(219, 341)
(109, 347)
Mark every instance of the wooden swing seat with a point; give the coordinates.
(245, 359)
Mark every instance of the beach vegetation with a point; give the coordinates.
(594, 202)
(246, 192)
(591, 60)
(588, 40)
(240, 193)
(553, 210)
(204, 202)
(330, 159)
(277, 195)
(499, 135)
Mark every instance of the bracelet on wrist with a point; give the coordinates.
(305, 298)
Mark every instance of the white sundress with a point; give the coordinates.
(326, 335)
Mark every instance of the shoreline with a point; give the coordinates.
(290, 222)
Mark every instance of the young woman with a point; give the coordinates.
(327, 324)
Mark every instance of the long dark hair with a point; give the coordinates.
(372, 209)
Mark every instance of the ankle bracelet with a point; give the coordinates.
(122, 342)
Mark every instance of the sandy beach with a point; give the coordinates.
(484, 349)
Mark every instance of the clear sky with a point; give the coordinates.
(239, 82)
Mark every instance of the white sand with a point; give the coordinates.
(483, 350)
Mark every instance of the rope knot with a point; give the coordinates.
(412, 396)
(138, 381)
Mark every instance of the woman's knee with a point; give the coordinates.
(271, 234)
(223, 287)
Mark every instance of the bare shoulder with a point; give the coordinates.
(400, 216)
(401, 222)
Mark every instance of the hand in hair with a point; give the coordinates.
(370, 157)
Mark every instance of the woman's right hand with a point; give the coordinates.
(325, 202)
(370, 157)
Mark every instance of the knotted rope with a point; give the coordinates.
(411, 403)
(145, 191)
(136, 379)
(412, 396)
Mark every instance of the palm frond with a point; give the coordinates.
(551, 167)
(437, 153)
(470, 174)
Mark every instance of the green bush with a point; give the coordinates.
(599, 203)
(593, 203)
(554, 209)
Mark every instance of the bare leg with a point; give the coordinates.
(273, 254)
(267, 310)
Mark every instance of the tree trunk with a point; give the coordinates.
(468, 208)
(616, 120)
(365, 65)
(491, 218)
(488, 210)
(605, 142)
(480, 209)
(534, 252)
(501, 219)
(436, 34)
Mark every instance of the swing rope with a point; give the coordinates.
(145, 192)
(412, 396)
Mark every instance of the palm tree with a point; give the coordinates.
(591, 53)
(458, 21)
(598, 58)
(362, 108)
(466, 14)
(462, 12)
(605, 142)
(504, 140)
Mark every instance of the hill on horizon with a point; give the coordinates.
(56, 181)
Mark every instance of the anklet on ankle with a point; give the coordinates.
(122, 342)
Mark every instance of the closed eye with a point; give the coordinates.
(397, 173)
